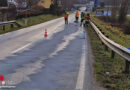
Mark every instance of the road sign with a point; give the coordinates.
(103, 13)
(96, 3)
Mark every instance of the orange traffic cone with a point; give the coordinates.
(45, 34)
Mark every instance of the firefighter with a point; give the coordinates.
(87, 18)
(77, 16)
(82, 18)
(66, 17)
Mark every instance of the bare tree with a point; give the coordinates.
(68, 4)
(30, 3)
(3, 3)
(114, 9)
(123, 10)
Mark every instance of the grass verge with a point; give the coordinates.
(128, 18)
(115, 80)
(129, 11)
(115, 33)
(31, 21)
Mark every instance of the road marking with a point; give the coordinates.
(21, 48)
(81, 75)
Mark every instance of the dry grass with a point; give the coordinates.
(31, 21)
(115, 33)
(116, 79)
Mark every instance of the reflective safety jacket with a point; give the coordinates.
(82, 16)
(66, 16)
(87, 18)
(77, 14)
(68, 13)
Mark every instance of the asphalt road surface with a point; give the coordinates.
(28, 61)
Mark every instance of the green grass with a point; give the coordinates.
(128, 18)
(31, 21)
(129, 11)
(114, 33)
(116, 80)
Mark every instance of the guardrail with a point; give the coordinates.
(116, 48)
(11, 23)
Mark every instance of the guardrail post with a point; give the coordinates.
(127, 66)
(106, 48)
(102, 43)
(4, 28)
(100, 30)
(107, 36)
(112, 54)
(11, 25)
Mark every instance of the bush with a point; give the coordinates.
(36, 10)
(127, 27)
(54, 9)
(107, 19)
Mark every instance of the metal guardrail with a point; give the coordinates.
(9, 23)
(120, 50)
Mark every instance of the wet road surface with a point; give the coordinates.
(59, 62)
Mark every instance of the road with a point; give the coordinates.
(29, 61)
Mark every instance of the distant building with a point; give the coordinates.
(45, 3)
(14, 2)
(82, 1)
(68, 4)
(110, 3)
(65, 4)
(18, 3)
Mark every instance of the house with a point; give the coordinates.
(45, 3)
(110, 3)
(68, 4)
(23, 4)
(14, 2)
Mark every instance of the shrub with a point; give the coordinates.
(36, 10)
(127, 27)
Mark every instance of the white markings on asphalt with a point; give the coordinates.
(21, 48)
(22, 74)
(81, 75)
(63, 45)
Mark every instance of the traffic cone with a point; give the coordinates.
(2, 80)
(45, 34)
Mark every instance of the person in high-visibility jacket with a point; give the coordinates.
(68, 12)
(82, 18)
(66, 17)
(87, 18)
(77, 16)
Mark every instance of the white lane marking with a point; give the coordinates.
(81, 75)
(21, 48)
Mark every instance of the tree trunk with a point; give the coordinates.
(114, 10)
(123, 11)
